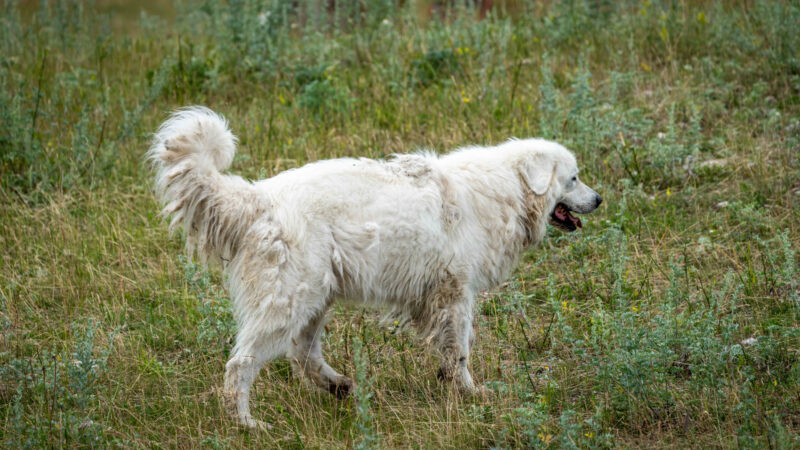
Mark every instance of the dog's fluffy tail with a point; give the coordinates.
(188, 152)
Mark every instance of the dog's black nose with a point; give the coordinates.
(597, 200)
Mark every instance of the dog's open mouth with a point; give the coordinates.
(561, 217)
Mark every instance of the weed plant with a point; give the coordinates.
(672, 319)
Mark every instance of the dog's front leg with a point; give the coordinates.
(452, 337)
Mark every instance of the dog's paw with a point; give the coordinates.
(342, 387)
(443, 375)
(483, 392)
(479, 392)
(255, 425)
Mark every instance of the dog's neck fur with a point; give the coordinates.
(520, 212)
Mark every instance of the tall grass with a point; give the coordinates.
(671, 319)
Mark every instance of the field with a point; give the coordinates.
(671, 320)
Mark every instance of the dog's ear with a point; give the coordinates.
(537, 173)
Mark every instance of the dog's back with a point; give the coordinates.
(383, 226)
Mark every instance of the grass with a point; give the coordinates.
(672, 319)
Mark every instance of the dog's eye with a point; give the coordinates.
(575, 178)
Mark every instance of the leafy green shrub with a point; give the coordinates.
(217, 326)
(55, 394)
(324, 96)
(368, 436)
(303, 76)
(434, 66)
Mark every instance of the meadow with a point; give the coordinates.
(671, 320)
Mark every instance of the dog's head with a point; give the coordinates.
(550, 171)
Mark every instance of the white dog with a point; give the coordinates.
(419, 234)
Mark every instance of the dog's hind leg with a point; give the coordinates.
(265, 332)
(305, 355)
(251, 352)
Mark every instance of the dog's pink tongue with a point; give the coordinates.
(560, 213)
(575, 221)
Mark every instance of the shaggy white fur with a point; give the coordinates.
(418, 234)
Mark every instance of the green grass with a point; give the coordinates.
(672, 319)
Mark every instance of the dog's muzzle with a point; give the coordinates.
(562, 217)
